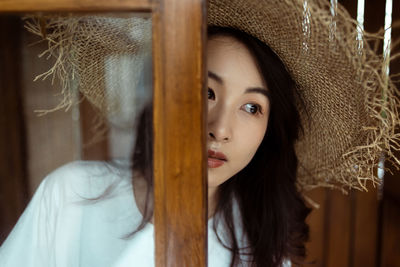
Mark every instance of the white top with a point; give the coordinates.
(61, 227)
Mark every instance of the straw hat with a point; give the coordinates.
(351, 105)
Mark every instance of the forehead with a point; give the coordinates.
(232, 61)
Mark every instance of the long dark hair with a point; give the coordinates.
(272, 211)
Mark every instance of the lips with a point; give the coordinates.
(215, 159)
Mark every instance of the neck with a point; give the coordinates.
(212, 200)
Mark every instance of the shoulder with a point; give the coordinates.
(86, 169)
(57, 218)
(86, 179)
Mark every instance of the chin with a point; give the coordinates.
(214, 180)
(211, 182)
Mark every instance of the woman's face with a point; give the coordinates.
(238, 108)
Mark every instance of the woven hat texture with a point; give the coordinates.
(87, 48)
(351, 105)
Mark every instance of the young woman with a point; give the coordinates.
(253, 124)
(271, 65)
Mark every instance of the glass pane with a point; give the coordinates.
(76, 139)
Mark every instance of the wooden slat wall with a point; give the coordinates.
(13, 179)
(365, 228)
(338, 227)
(358, 229)
(316, 246)
(179, 141)
(390, 235)
(389, 250)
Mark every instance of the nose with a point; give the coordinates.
(219, 125)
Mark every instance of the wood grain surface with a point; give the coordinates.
(179, 140)
(74, 5)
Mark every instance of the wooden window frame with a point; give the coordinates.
(180, 186)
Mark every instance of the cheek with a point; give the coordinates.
(250, 137)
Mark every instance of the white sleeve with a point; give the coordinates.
(30, 242)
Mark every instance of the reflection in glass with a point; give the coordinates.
(93, 94)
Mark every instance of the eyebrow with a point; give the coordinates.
(259, 90)
(215, 77)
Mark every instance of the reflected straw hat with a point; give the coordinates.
(351, 106)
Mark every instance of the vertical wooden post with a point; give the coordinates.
(180, 213)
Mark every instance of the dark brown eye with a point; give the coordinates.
(211, 94)
(252, 108)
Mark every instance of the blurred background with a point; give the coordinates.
(361, 229)
(358, 229)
